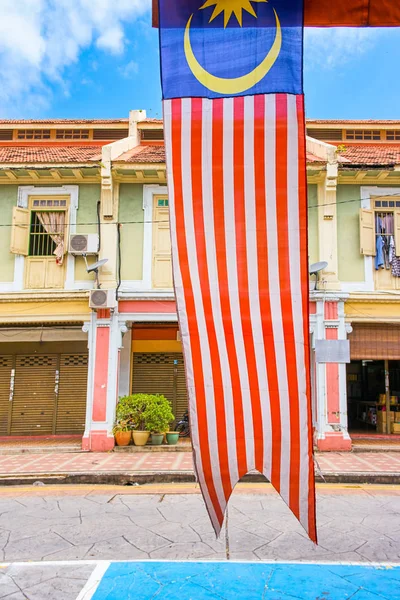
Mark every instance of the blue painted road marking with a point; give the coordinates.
(249, 581)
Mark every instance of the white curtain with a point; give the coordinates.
(54, 225)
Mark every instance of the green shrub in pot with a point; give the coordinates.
(158, 416)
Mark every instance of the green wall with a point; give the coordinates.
(89, 195)
(8, 199)
(312, 223)
(131, 209)
(351, 262)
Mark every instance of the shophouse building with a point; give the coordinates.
(73, 193)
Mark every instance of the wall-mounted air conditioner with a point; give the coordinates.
(83, 243)
(103, 299)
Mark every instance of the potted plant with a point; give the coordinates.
(122, 433)
(172, 437)
(133, 409)
(158, 416)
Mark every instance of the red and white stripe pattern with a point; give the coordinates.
(237, 196)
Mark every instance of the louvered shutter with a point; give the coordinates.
(20, 231)
(397, 230)
(72, 390)
(6, 365)
(367, 232)
(33, 406)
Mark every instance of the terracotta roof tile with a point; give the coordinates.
(42, 122)
(143, 154)
(385, 155)
(311, 158)
(160, 121)
(156, 154)
(352, 121)
(48, 154)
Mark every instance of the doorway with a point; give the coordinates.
(371, 385)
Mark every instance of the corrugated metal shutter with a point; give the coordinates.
(6, 365)
(33, 406)
(325, 134)
(152, 134)
(181, 389)
(71, 404)
(161, 373)
(375, 341)
(110, 134)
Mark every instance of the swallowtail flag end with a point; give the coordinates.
(235, 138)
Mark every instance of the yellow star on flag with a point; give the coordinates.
(231, 6)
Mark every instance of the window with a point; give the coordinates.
(162, 202)
(72, 134)
(363, 134)
(47, 234)
(393, 135)
(381, 221)
(33, 134)
(48, 203)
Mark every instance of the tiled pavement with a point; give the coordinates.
(112, 462)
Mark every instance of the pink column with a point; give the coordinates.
(102, 388)
(333, 440)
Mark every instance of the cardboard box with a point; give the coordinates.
(381, 420)
(381, 415)
(395, 427)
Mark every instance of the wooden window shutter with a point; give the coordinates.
(20, 231)
(367, 232)
(397, 230)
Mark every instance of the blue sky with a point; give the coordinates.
(99, 58)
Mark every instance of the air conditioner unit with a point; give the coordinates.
(103, 299)
(84, 243)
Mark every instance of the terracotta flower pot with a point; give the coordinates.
(140, 438)
(157, 439)
(172, 438)
(123, 438)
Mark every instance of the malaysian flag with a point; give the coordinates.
(235, 141)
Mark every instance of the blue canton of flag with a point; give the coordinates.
(223, 48)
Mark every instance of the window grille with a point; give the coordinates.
(387, 204)
(72, 134)
(44, 241)
(363, 134)
(393, 135)
(33, 134)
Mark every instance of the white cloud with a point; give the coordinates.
(130, 69)
(40, 38)
(329, 48)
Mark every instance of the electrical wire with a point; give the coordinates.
(141, 222)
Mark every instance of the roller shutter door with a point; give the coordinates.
(72, 389)
(33, 406)
(375, 341)
(181, 389)
(6, 365)
(161, 373)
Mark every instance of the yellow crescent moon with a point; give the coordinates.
(236, 85)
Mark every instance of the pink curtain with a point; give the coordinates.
(54, 225)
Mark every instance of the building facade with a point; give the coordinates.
(76, 191)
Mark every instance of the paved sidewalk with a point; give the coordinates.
(358, 526)
(113, 467)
